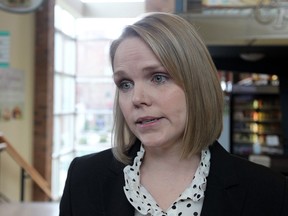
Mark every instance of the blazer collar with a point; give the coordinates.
(117, 166)
(116, 201)
(224, 194)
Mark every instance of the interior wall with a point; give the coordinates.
(18, 132)
(238, 30)
(231, 29)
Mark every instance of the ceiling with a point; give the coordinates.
(256, 59)
(230, 26)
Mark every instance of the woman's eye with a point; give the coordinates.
(159, 78)
(125, 85)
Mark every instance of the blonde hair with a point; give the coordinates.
(182, 52)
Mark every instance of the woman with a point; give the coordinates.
(168, 117)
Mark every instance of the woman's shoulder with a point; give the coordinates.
(103, 155)
(94, 163)
(257, 189)
(252, 170)
(244, 169)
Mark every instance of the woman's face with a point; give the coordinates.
(153, 105)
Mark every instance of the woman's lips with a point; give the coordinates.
(147, 120)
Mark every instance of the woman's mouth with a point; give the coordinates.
(143, 121)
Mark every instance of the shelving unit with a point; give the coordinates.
(256, 120)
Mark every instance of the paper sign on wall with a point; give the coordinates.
(11, 94)
(4, 49)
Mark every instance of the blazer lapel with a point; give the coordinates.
(116, 201)
(224, 194)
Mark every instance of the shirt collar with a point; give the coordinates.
(194, 192)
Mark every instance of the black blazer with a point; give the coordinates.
(94, 187)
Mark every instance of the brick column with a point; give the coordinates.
(43, 94)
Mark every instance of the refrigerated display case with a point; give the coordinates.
(256, 126)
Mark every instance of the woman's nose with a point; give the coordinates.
(141, 96)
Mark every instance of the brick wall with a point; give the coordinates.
(43, 94)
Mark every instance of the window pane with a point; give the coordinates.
(68, 96)
(94, 114)
(93, 58)
(60, 166)
(63, 134)
(69, 57)
(57, 15)
(96, 94)
(58, 56)
(67, 23)
(64, 94)
(93, 131)
(57, 93)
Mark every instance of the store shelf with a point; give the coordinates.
(256, 121)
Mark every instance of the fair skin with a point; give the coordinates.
(154, 108)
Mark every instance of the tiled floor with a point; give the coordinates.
(29, 209)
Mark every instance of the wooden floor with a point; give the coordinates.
(29, 209)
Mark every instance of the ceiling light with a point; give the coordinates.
(252, 56)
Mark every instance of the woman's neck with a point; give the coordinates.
(169, 157)
(170, 161)
(166, 175)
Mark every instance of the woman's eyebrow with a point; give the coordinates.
(147, 68)
(118, 73)
(153, 67)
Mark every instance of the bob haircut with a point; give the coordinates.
(182, 52)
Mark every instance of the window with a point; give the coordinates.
(64, 98)
(83, 89)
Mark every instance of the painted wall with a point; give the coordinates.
(18, 132)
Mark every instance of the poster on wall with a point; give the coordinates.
(4, 49)
(11, 94)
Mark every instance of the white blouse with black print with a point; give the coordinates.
(190, 202)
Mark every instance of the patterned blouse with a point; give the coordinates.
(190, 202)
